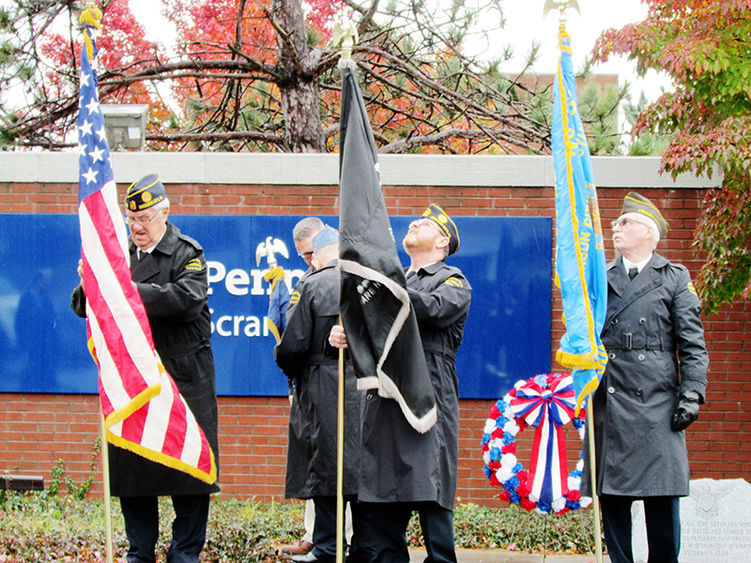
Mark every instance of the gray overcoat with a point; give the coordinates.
(655, 343)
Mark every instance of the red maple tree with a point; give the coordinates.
(703, 46)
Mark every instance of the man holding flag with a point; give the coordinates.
(169, 272)
(403, 337)
(146, 309)
(404, 470)
(644, 312)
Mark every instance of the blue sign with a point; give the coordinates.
(43, 343)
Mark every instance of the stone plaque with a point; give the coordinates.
(715, 523)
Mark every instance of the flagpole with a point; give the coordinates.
(562, 6)
(340, 459)
(106, 491)
(593, 478)
(92, 16)
(345, 35)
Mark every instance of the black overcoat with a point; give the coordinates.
(306, 357)
(398, 463)
(173, 284)
(655, 343)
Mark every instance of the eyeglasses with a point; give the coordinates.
(305, 255)
(422, 222)
(625, 222)
(143, 221)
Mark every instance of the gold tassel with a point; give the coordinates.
(90, 16)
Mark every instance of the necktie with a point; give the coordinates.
(632, 272)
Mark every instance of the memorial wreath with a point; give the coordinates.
(546, 402)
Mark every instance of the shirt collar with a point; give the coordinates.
(150, 249)
(628, 264)
(425, 267)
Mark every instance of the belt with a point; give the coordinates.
(629, 342)
(438, 349)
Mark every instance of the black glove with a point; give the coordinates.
(686, 411)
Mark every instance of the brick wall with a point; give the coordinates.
(38, 430)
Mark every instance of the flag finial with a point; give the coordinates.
(345, 35)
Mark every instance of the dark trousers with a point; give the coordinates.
(662, 515)
(141, 515)
(389, 523)
(324, 531)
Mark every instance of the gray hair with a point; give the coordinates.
(655, 236)
(161, 205)
(307, 227)
(654, 231)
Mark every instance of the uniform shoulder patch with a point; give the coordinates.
(691, 288)
(195, 264)
(454, 281)
(294, 297)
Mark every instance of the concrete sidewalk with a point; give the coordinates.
(503, 556)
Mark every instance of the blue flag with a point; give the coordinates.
(278, 302)
(580, 252)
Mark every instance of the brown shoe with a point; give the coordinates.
(299, 549)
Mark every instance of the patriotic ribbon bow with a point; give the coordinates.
(539, 403)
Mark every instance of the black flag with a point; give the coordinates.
(382, 334)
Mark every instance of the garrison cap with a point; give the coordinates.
(145, 193)
(447, 225)
(637, 203)
(325, 237)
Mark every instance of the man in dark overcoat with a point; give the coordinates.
(401, 469)
(305, 356)
(655, 380)
(302, 235)
(169, 271)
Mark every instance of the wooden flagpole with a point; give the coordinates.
(593, 477)
(106, 491)
(345, 35)
(562, 6)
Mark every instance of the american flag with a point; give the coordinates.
(143, 409)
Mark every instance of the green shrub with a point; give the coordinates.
(78, 492)
(512, 528)
(43, 527)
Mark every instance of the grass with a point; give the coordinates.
(49, 527)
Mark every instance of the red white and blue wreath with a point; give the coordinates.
(546, 402)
